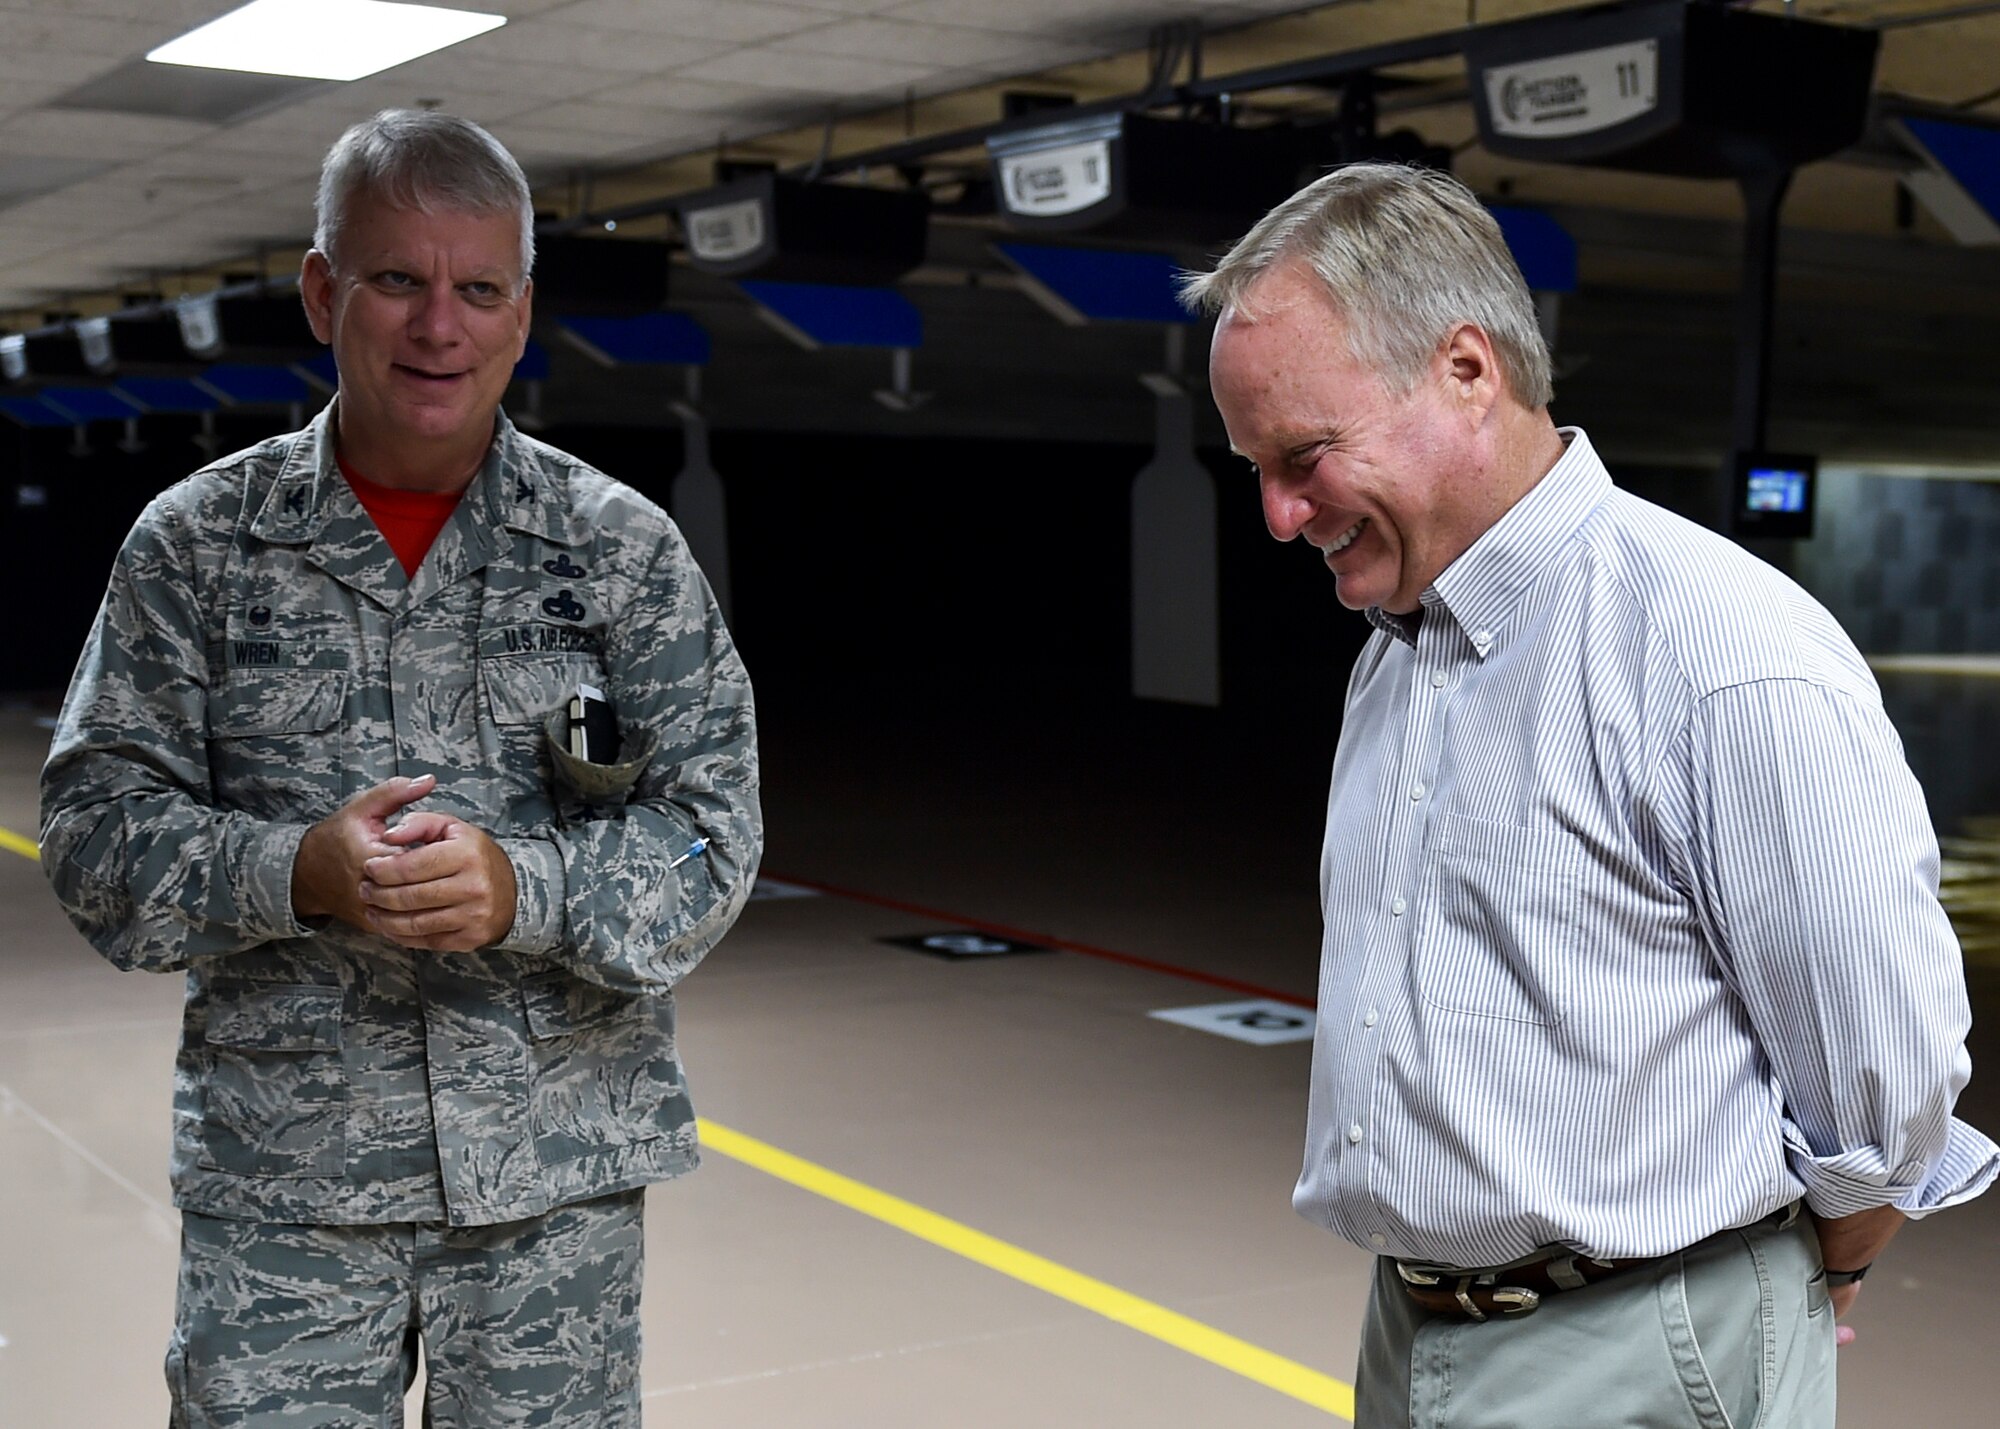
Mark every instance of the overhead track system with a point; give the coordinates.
(1685, 89)
(781, 229)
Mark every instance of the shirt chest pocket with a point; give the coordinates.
(275, 742)
(1500, 928)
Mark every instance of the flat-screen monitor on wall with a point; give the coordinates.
(1774, 494)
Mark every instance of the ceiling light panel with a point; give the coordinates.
(322, 39)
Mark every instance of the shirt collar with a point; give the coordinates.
(513, 486)
(1481, 589)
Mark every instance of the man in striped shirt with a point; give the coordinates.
(1640, 1024)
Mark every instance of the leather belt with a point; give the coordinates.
(1509, 1291)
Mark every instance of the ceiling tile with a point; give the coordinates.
(480, 105)
(1052, 19)
(17, 95)
(23, 175)
(610, 120)
(93, 134)
(47, 67)
(738, 22)
(512, 9)
(852, 7)
(933, 46)
(559, 41)
(186, 92)
(185, 14)
(41, 31)
(830, 76)
(453, 71)
(541, 146)
(692, 93)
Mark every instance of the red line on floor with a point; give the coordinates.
(1087, 950)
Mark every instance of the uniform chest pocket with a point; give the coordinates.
(1499, 931)
(275, 741)
(524, 689)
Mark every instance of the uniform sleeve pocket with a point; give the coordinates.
(1499, 933)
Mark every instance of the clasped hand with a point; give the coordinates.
(430, 882)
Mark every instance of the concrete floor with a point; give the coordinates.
(1030, 1098)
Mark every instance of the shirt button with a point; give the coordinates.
(1354, 1134)
(1482, 638)
(1416, 791)
(1378, 1239)
(1437, 680)
(1399, 907)
(1371, 1019)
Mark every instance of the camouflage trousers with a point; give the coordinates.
(531, 1323)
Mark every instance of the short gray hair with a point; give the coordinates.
(1406, 254)
(426, 160)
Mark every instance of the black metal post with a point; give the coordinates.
(1763, 198)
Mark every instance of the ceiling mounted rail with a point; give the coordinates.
(1326, 71)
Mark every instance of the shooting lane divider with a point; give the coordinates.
(1048, 940)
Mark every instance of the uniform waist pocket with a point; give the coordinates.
(274, 1101)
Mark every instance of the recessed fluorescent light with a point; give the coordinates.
(322, 39)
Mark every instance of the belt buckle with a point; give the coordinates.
(1513, 1301)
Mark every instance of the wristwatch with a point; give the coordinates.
(1837, 1278)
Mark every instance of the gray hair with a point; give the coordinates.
(1406, 254)
(422, 159)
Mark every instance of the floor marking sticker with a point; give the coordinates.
(14, 843)
(1066, 945)
(1274, 1371)
(1261, 1023)
(769, 888)
(965, 943)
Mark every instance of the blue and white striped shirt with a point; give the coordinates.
(1632, 931)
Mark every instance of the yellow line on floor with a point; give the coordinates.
(27, 848)
(1239, 1356)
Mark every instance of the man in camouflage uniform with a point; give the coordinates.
(427, 1059)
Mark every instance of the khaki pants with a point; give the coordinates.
(532, 1323)
(1735, 1332)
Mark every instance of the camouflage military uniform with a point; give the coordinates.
(260, 658)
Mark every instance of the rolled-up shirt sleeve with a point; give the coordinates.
(1815, 868)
